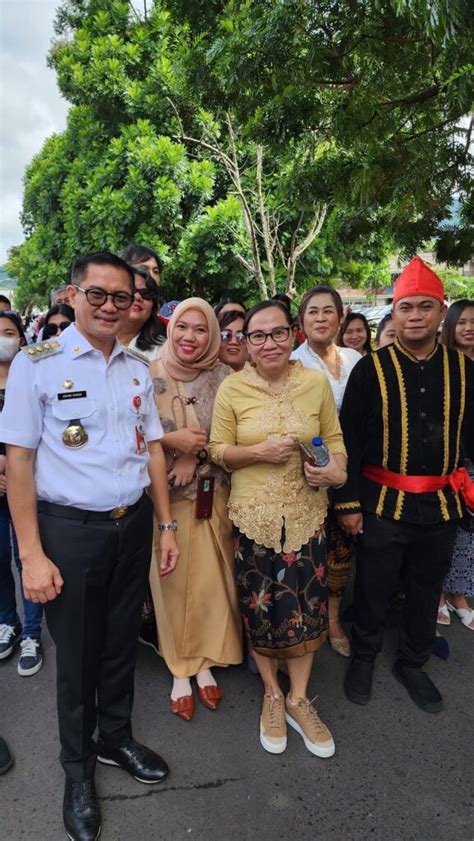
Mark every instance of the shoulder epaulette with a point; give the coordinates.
(137, 355)
(41, 350)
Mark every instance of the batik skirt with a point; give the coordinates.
(283, 596)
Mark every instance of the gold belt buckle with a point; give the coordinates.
(119, 512)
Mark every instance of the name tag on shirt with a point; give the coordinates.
(71, 395)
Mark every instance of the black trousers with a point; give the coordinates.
(95, 624)
(420, 556)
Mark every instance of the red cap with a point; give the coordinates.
(418, 279)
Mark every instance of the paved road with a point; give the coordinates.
(397, 772)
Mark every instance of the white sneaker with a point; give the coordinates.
(272, 724)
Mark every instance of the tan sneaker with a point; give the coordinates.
(273, 724)
(306, 721)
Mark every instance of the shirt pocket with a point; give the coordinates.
(78, 409)
(81, 410)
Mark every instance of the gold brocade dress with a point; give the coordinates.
(196, 607)
(280, 541)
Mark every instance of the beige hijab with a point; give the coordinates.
(186, 372)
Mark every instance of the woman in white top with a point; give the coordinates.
(320, 314)
(143, 331)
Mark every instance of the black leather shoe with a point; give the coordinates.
(6, 759)
(419, 686)
(81, 811)
(142, 763)
(358, 682)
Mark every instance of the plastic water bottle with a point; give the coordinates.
(320, 455)
(320, 452)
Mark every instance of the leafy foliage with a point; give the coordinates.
(352, 107)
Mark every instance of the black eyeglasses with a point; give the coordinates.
(278, 335)
(146, 294)
(54, 329)
(97, 297)
(229, 336)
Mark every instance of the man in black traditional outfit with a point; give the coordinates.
(408, 423)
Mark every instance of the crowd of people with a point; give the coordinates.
(178, 447)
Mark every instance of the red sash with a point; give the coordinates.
(459, 482)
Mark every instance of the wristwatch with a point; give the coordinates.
(173, 526)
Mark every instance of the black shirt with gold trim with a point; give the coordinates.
(411, 416)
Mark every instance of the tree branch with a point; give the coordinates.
(176, 113)
(427, 130)
(413, 99)
(314, 231)
(297, 249)
(135, 11)
(468, 138)
(214, 149)
(295, 234)
(249, 221)
(245, 263)
(264, 217)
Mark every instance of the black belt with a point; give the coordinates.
(70, 513)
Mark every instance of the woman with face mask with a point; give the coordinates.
(11, 630)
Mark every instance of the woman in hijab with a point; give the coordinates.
(196, 608)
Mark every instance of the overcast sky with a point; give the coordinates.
(31, 105)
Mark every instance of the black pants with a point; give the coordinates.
(94, 624)
(389, 551)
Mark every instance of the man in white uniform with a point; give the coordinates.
(82, 434)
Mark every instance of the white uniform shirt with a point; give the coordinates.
(40, 402)
(348, 357)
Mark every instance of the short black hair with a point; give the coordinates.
(266, 305)
(224, 301)
(134, 254)
(284, 299)
(228, 317)
(382, 325)
(5, 300)
(56, 289)
(99, 258)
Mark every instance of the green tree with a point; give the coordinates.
(380, 88)
(340, 122)
(116, 175)
(455, 284)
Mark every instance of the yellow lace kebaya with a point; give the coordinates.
(267, 497)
